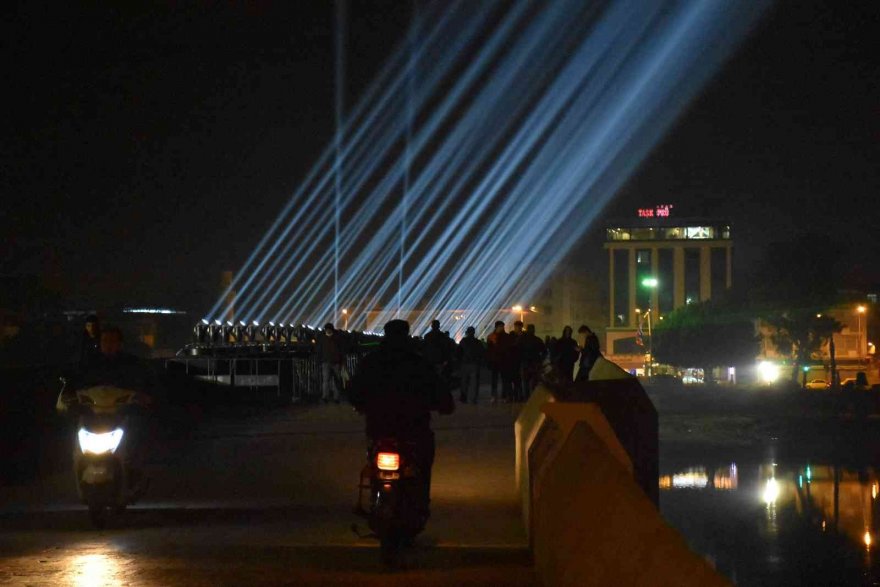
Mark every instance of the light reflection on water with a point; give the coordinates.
(768, 522)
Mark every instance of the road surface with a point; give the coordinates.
(266, 499)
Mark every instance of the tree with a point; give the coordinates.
(707, 335)
(802, 333)
(792, 286)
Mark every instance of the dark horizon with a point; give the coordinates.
(148, 152)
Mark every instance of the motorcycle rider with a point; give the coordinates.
(116, 368)
(397, 389)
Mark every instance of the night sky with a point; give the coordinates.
(146, 151)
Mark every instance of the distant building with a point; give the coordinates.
(570, 297)
(658, 262)
(853, 349)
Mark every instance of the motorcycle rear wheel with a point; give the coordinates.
(389, 545)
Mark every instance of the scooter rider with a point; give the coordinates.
(116, 368)
(397, 389)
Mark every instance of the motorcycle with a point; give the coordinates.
(394, 494)
(106, 480)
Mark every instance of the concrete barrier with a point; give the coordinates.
(526, 427)
(632, 416)
(559, 420)
(592, 525)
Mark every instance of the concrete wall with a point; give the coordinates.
(592, 525)
(528, 423)
(587, 473)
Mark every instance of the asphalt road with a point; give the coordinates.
(266, 499)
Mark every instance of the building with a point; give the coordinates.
(656, 264)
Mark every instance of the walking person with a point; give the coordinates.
(498, 355)
(565, 355)
(532, 353)
(517, 335)
(471, 352)
(331, 354)
(435, 348)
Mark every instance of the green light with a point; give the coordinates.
(806, 369)
(800, 481)
(809, 473)
(650, 282)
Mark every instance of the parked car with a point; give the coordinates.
(817, 384)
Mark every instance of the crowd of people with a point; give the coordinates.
(516, 360)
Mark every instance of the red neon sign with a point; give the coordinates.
(660, 211)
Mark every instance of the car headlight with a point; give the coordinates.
(98, 444)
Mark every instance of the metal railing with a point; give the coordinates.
(297, 378)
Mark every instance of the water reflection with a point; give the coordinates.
(775, 520)
(846, 498)
(722, 479)
(771, 491)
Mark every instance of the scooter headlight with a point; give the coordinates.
(98, 444)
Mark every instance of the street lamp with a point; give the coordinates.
(650, 355)
(859, 311)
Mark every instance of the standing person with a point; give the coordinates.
(90, 344)
(565, 353)
(515, 361)
(471, 353)
(532, 352)
(595, 367)
(436, 348)
(584, 334)
(498, 357)
(331, 354)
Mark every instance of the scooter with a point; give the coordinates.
(393, 495)
(106, 480)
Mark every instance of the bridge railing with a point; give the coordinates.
(295, 378)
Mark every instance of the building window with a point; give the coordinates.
(643, 272)
(700, 232)
(666, 280)
(692, 274)
(621, 286)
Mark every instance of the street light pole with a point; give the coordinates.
(651, 283)
(859, 311)
(650, 345)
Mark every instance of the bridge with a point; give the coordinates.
(267, 499)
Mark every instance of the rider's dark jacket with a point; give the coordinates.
(396, 389)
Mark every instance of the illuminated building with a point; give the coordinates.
(660, 262)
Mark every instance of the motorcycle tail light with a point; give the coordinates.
(388, 461)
